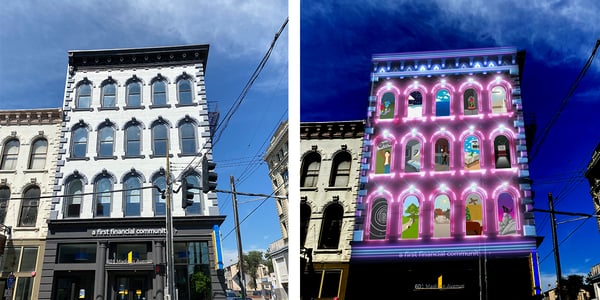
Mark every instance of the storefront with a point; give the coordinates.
(125, 260)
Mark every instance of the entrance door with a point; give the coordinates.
(131, 287)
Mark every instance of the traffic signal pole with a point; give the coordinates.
(169, 238)
(556, 255)
(239, 239)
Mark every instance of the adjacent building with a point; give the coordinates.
(135, 122)
(329, 187)
(29, 143)
(276, 158)
(445, 199)
(593, 175)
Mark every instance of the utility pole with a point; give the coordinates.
(170, 295)
(556, 255)
(239, 239)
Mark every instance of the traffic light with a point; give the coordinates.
(209, 177)
(187, 196)
(160, 269)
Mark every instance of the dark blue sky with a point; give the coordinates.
(338, 39)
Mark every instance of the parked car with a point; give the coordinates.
(231, 295)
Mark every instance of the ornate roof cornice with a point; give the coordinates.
(31, 116)
(332, 130)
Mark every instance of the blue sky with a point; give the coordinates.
(35, 37)
(338, 39)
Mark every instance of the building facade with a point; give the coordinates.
(276, 158)
(593, 176)
(445, 197)
(136, 122)
(29, 141)
(329, 173)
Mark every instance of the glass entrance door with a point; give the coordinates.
(131, 287)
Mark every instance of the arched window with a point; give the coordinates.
(133, 196)
(133, 140)
(441, 216)
(194, 181)
(387, 106)
(471, 103)
(106, 141)
(383, 161)
(415, 105)
(502, 152)
(378, 226)
(471, 153)
(473, 214)
(104, 187)
(499, 101)
(37, 158)
(410, 218)
(187, 134)
(29, 207)
(442, 155)
(109, 95)
(310, 170)
(184, 91)
(79, 142)
(134, 94)
(340, 170)
(305, 212)
(331, 227)
(412, 157)
(74, 198)
(160, 138)
(159, 93)
(4, 198)
(10, 153)
(442, 103)
(507, 223)
(160, 204)
(84, 95)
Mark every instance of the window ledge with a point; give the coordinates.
(187, 104)
(35, 171)
(133, 107)
(309, 189)
(77, 158)
(132, 156)
(83, 109)
(338, 188)
(186, 154)
(107, 108)
(160, 106)
(27, 228)
(160, 156)
(8, 171)
(105, 157)
(328, 251)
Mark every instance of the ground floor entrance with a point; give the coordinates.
(130, 287)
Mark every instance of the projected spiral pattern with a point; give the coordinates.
(378, 219)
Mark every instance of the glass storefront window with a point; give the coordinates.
(28, 262)
(23, 290)
(11, 259)
(129, 252)
(76, 253)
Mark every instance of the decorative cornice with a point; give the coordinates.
(332, 130)
(31, 116)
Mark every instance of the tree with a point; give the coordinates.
(571, 286)
(200, 284)
(252, 260)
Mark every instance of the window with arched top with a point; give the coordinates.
(133, 140)
(442, 155)
(195, 208)
(384, 156)
(310, 170)
(103, 196)
(473, 214)
(379, 213)
(29, 207)
(187, 136)
(160, 203)
(331, 226)
(79, 139)
(305, 212)
(10, 154)
(37, 157)
(4, 200)
(441, 216)
(501, 152)
(410, 218)
(442, 103)
(109, 95)
(134, 94)
(73, 198)
(340, 169)
(133, 196)
(471, 104)
(507, 223)
(415, 104)
(387, 106)
(184, 91)
(159, 93)
(499, 101)
(84, 95)
(106, 141)
(471, 153)
(160, 138)
(412, 156)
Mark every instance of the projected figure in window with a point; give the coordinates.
(471, 153)
(442, 103)
(384, 157)
(387, 106)
(410, 218)
(442, 157)
(378, 219)
(498, 100)
(441, 216)
(470, 102)
(506, 215)
(473, 215)
(501, 152)
(412, 157)
(415, 105)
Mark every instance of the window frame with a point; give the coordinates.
(106, 95)
(10, 158)
(132, 193)
(184, 140)
(180, 91)
(311, 165)
(128, 141)
(339, 171)
(105, 141)
(100, 195)
(76, 144)
(72, 196)
(128, 94)
(38, 156)
(331, 226)
(30, 206)
(78, 102)
(156, 93)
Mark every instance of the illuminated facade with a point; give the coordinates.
(445, 183)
